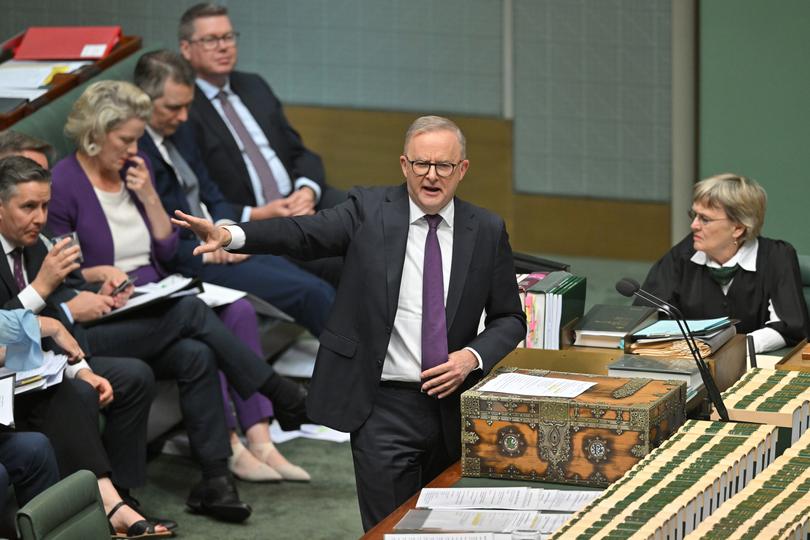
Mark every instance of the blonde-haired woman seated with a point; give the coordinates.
(106, 194)
(725, 268)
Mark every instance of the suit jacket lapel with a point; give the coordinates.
(465, 231)
(395, 214)
(33, 257)
(8, 277)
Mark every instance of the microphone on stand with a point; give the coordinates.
(630, 287)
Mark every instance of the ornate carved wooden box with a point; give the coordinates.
(590, 440)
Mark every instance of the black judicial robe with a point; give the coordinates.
(689, 287)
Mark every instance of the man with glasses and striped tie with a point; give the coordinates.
(402, 341)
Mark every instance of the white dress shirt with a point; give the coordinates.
(403, 359)
(765, 339)
(283, 180)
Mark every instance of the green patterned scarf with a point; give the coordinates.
(724, 274)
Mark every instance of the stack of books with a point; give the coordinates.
(551, 301)
(775, 505)
(664, 338)
(777, 398)
(609, 326)
(677, 486)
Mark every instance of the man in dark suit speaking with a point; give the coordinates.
(402, 340)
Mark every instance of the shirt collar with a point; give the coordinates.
(157, 138)
(211, 90)
(746, 257)
(7, 246)
(448, 212)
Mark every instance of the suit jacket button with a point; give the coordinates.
(387, 329)
(380, 363)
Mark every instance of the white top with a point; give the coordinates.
(131, 240)
(765, 339)
(285, 185)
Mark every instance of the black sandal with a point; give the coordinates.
(140, 529)
(135, 504)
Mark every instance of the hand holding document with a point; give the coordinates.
(531, 385)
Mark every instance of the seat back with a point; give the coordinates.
(70, 509)
(804, 267)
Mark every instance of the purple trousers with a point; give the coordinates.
(240, 318)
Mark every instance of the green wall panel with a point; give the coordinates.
(755, 104)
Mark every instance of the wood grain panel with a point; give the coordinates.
(362, 147)
(590, 227)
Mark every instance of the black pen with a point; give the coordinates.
(123, 285)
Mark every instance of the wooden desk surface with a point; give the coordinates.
(729, 360)
(727, 364)
(448, 478)
(793, 360)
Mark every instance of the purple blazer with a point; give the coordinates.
(74, 206)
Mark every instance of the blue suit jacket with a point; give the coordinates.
(173, 196)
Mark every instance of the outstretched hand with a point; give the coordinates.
(212, 237)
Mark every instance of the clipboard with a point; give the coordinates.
(67, 42)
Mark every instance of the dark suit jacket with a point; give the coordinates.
(174, 198)
(371, 230)
(32, 259)
(221, 152)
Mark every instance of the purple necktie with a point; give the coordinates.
(16, 254)
(434, 321)
(260, 165)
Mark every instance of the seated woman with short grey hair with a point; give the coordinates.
(725, 268)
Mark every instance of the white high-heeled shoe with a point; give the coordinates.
(245, 466)
(268, 454)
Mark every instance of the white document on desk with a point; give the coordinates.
(468, 520)
(440, 536)
(560, 500)
(7, 400)
(532, 385)
(508, 498)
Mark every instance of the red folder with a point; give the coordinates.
(67, 42)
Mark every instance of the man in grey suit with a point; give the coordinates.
(402, 340)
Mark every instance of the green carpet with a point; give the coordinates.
(324, 509)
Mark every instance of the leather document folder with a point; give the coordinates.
(67, 42)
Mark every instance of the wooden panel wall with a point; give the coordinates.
(361, 147)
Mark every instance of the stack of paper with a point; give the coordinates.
(26, 79)
(46, 375)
